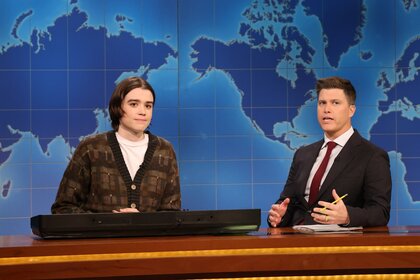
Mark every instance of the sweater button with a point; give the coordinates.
(133, 187)
(133, 205)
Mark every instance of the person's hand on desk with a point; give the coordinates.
(331, 213)
(126, 210)
(277, 212)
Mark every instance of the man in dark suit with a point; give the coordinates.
(352, 166)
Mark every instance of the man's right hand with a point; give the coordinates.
(277, 212)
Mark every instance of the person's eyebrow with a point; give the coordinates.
(133, 100)
(138, 100)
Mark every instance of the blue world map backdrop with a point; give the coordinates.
(234, 83)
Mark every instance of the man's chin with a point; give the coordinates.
(327, 127)
(329, 131)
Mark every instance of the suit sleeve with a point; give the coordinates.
(289, 192)
(376, 195)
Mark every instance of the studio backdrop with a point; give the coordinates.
(234, 84)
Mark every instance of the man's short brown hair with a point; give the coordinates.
(340, 83)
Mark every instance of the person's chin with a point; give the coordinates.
(140, 130)
(140, 126)
(328, 129)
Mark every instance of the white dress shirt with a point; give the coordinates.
(341, 141)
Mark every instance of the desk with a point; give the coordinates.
(269, 252)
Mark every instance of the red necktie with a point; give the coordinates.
(316, 181)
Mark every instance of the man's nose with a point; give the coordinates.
(327, 107)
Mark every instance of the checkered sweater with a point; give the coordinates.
(97, 179)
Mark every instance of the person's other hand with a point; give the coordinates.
(126, 210)
(277, 212)
(333, 213)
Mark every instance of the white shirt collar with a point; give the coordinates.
(342, 139)
(130, 143)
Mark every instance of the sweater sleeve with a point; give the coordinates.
(171, 199)
(75, 184)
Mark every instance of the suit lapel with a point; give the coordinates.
(310, 158)
(341, 161)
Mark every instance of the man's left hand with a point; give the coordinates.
(331, 213)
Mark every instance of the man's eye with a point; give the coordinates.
(132, 104)
(148, 106)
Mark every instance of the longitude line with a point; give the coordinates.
(215, 109)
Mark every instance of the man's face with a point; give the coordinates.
(137, 106)
(334, 112)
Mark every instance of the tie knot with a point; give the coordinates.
(331, 145)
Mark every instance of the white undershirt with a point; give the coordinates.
(133, 152)
(341, 141)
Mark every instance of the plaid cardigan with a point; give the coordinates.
(97, 178)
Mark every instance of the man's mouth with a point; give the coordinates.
(327, 119)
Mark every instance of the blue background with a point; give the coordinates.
(234, 83)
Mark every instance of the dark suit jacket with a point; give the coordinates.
(361, 170)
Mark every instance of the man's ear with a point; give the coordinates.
(352, 110)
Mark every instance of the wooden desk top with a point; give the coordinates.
(267, 252)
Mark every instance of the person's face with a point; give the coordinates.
(137, 106)
(334, 112)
